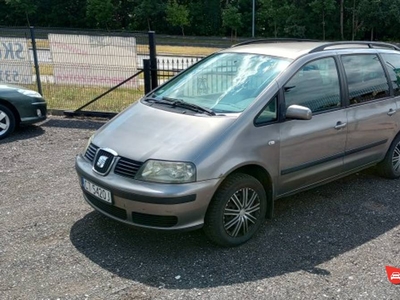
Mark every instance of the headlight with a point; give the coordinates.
(88, 144)
(29, 93)
(167, 172)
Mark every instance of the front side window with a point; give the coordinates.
(269, 113)
(365, 77)
(392, 62)
(224, 82)
(315, 85)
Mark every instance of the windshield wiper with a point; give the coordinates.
(191, 106)
(159, 101)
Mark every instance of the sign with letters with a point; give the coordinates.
(93, 60)
(15, 63)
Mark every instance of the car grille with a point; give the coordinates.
(127, 167)
(91, 152)
(111, 210)
(154, 220)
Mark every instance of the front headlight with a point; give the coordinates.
(29, 93)
(88, 144)
(167, 172)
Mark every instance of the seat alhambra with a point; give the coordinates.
(216, 145)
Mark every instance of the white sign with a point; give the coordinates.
(93, 60)
(15, 64)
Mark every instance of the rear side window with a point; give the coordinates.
(315, 85)
(392, 62)
(365, 77)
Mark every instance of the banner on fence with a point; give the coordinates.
(93, 60)
(15, 63)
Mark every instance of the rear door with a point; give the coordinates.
(313, 150)
(371, 112)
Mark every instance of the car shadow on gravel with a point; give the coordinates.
(308, 229)
(78, 123)
(24, 132)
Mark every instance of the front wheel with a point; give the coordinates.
(390, 166)
(7, 122)
(236, 211)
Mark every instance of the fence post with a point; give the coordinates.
(35, 60)
(147, 76)
(153, 59)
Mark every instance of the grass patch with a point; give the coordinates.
(187, 51)
(45, 69)
(69, 97)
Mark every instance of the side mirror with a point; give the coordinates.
(298, 112)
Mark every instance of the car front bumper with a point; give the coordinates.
(149, 205)
(36, 112)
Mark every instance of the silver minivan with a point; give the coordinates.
(216, 145)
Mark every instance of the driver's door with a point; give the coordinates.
(312, 150)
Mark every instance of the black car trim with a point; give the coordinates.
(154, 200)
(311, 164)
(330, 158)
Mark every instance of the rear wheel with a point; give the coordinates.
(7, 122)
(237, 211)
(390, 166)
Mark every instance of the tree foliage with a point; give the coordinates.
(314, 19)
(99, 13)
(177, 15)
(232, 19)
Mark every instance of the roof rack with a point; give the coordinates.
(363, 43)
(273, 40)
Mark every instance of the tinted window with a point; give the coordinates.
(315, 86)
(269, 113)
(365, 77)
(392, 62)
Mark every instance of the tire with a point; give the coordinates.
(7, 122)
(229, 220)
(389, 167)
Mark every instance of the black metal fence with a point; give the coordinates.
(73, 67)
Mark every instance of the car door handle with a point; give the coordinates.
(340, 125)
(391, 112)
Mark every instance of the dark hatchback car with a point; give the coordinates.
(19, 105)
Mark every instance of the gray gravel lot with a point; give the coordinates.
(332, 242)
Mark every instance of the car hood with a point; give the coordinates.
(9, 87)
(142, 132)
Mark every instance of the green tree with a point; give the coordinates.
(177, 15)
(323, 8)
(99, 12)
(23, 8)
(232, 19)
(149, 12)
(378, 14)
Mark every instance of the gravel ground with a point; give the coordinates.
(329, 243)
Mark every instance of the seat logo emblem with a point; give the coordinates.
(101, 161)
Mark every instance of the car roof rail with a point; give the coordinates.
(274, 40)
(360, 43)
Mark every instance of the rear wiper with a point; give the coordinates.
(191, 106)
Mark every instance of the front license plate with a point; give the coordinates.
(96, 191)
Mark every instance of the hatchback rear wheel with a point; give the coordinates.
(7, 122)
(237, 211)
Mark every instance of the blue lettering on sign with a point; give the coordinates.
(12, 51)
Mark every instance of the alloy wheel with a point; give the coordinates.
(396, 158)
(4, 123)
(241, 212)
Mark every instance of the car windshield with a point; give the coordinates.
(224, 82)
